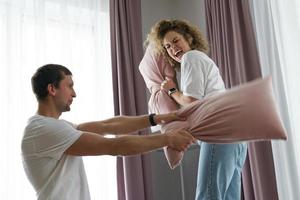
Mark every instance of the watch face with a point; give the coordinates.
(173, 90)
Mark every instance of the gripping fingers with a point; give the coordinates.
(188, 140)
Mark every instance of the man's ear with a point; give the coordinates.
(51, 89)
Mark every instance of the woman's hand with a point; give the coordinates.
(167, 84)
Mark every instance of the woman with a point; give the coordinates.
(220, 165)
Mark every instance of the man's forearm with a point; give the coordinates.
(128, 124)
(90, 144)
(131, 145)
(118, 125)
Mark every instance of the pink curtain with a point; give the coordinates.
(134, 172)
(233, 48)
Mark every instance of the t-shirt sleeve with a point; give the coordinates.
(193, 77)
(199, 76)
(214, 81)
(54, 138)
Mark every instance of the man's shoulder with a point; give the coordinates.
(39, 120)
(39, 124)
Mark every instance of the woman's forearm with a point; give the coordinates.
(182, 99)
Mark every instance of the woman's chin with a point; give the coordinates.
(178, 59)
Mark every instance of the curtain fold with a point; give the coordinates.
(133, 172)
(233, 48)
(277, 43)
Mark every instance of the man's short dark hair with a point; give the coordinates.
(45, 75)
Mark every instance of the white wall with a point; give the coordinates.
(156, 10)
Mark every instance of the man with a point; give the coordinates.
(52, 148)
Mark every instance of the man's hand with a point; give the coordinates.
(180, 140)
(166, 118)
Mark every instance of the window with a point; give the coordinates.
(71, 33)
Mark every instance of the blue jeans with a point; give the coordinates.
(219, 171)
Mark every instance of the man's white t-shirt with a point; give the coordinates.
(199, 75)
(53, 174)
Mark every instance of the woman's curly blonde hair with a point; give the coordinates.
(185, 28)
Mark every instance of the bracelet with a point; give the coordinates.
(151, 119)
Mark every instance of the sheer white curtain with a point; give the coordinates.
(74, 33)
(278, 38)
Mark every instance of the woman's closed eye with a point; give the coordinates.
(175, 41)
(167, 46)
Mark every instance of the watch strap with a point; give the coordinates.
(151, 119)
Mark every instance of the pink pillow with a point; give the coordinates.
(244, 113)
(154, 68)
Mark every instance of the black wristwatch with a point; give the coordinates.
(172, 90)
(151, 119)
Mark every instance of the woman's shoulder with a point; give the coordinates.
(195, 55)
